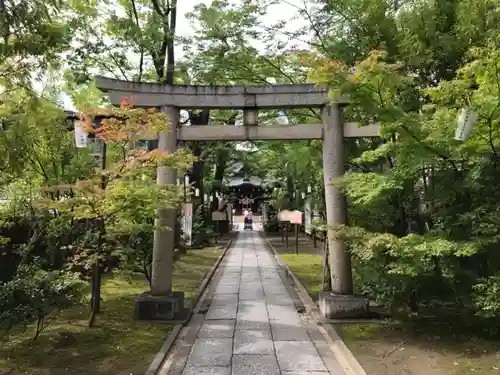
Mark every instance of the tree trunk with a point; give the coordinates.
(95, 300)
(170, 44)
(200, 118)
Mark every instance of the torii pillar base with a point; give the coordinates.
(152, 308)
(340, 306)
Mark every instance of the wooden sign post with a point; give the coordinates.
(286, 233)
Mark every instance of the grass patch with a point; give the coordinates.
(307, 265)
(308, 268)
(412, 347)
(117, 344)
(306, 244)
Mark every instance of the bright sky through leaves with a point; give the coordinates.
(278, 11)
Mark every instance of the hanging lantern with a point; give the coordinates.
(465, 122)
(282, 118)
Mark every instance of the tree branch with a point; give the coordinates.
(141, 60)
(157, 7)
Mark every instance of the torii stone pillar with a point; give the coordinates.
(164, 235)
(162, 303)
(339, 302)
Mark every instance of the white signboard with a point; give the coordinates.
(187, 223)
(308, 216)
(218, 216)
(294, 217)
(80, 135)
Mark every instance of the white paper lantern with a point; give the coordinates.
(465, 122)
(282, 118)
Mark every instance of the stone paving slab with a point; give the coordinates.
(224, 306)
(279, 299)
(211, 352)
(252, 326)
(245, 364)
(251, 286)
(217, 329)
(298, 356)
(207, 371)
(253, 342)
(255, 294)
(229, 281)
(252, 315)
(288, 332)
(227, 289)
(283, 312)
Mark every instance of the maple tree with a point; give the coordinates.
(120, 211)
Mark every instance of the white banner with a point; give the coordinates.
(229, 212)
(308, 216)
(222, 203)
(187, 223)
(316, 213)
(264, 212)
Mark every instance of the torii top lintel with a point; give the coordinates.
(214, 96)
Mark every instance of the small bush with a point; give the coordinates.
(34, 294)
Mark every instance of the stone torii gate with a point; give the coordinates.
(162, 303)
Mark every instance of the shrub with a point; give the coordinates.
(34, 294)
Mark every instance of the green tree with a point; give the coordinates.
(122, 200)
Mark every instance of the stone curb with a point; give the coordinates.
(345, 357)
(165, 348)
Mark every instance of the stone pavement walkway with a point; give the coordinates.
(252, 325)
